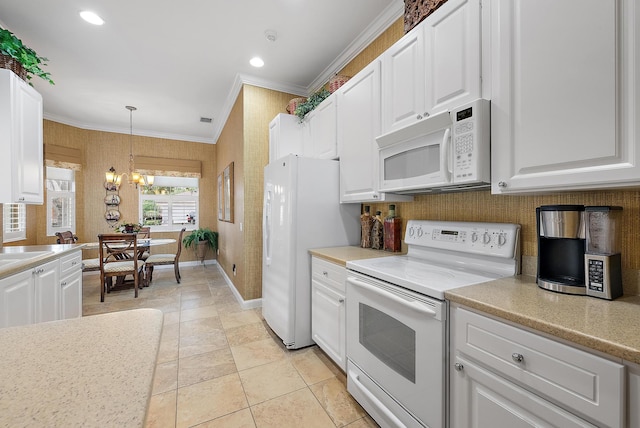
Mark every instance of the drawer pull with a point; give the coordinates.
(518, 358)
(325, 273)
(458, 366)
(340, 300)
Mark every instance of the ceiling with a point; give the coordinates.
(178, 61)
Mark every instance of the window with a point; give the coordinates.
(61, 200)
(15, 222)
(170, 204)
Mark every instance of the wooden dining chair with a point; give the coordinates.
(164, 259)
(66, 237)
(145, 233)
(117, 259)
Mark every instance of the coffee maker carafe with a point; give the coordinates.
(602, 260)
(561, 248)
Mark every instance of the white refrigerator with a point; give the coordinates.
(301, 211)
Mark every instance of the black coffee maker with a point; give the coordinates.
(561, 248)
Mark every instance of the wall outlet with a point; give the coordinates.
(234, 269)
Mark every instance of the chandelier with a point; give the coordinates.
(134, 177)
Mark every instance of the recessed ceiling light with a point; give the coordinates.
(256, 61)
(91, 17)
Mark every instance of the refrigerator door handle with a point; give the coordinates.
(266, 227)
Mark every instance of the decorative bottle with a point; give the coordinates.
(366, 221)
(377, 232)
(392, 231)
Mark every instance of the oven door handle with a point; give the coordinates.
(415, 305)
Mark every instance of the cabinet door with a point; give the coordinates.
(47, 291)
(403, 81)
(21, 138)
(28, 181)
(285, 136)
(481, 399)
(358, 126)
(565, 95)
(453, 46)
(328, 326)
(633, 394)
(71, 295)
(16, 300)
(322, 134)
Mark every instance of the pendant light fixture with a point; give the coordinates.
(134, 177)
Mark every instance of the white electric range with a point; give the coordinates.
(397, 333)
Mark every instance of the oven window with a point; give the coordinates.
(413, 163)
(389, 340)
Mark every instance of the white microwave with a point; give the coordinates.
(444, 152)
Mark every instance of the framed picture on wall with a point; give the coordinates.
(228, 192)
(220, 198)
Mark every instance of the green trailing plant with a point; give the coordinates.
(312, 102)
(13, 47)
(204, 234)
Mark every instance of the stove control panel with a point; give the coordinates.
(497, 239)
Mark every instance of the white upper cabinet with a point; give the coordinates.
(565, 94)
(21, 165)
(285, 136)
(453, 51)
(358, 126)
(321, 135)
(403, 70)
(434, 67)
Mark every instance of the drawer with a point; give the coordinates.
(328, 273)
(70, 263)
(579, 381)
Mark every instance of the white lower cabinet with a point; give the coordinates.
(71, 285)
(633, 394)
(48, 292)
(46, 283)
(328, 322)
(501, 375)
(16, 299)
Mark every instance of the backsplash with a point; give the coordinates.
(482, 206)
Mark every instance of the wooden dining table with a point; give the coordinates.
(142, 246)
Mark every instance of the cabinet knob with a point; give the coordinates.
(21, 198)
(502, 184)
(518, 358)
(64, 283)
(325, 273)
(341, 300)
(458, 366)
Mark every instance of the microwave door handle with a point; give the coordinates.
(447, 166)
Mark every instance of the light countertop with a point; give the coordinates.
(95, 371)
(341, 255)
(53, 252)
(612, 327)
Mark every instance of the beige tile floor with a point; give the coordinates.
(221, 366)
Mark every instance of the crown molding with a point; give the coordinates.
(126, 130)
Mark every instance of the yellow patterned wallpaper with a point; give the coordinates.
(102, 150)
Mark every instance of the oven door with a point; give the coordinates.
(396, 339)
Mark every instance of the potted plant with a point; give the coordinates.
(129, 228)
(312, 102)
(12, 50)
(201, 239)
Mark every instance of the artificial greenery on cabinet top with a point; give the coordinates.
(312, 102)
(12, 46)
